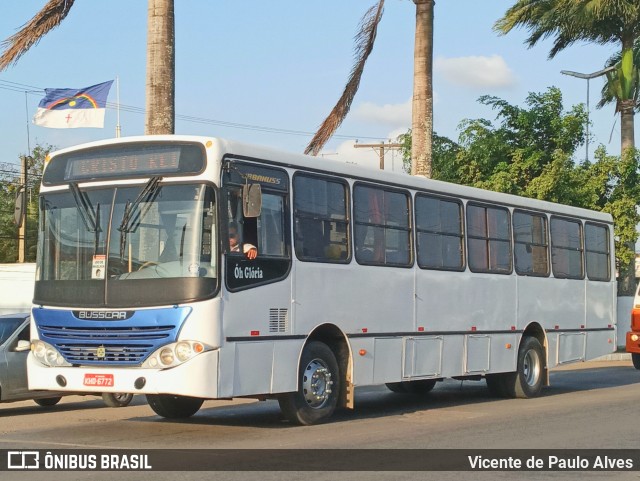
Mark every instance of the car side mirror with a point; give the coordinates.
(251, 200)
(23, 346)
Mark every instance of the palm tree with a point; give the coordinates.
(613, 88)
(599, 21)
(160, 111)
(365, 39)
(422, 113)
(422, 104)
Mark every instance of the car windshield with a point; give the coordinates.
(8, 326)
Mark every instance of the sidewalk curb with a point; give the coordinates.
(616, 356)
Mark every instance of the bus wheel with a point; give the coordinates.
(635, 358)
(319, 386)
(117, 399)
(47, 401)
(174, 407)
(422, 386)
(526, 382)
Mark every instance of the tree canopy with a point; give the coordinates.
(8, 188)
(529, 151)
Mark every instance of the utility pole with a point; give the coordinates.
(21, 199)
(380, 149)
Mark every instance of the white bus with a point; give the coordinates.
(146, 284)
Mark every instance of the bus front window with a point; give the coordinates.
(167, 233)
(123, 246)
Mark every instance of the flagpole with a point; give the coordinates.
(118, 106)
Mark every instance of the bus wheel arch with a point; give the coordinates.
(531, 371)
(322, 377)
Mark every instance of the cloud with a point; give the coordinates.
(394, 115)
(476, 71)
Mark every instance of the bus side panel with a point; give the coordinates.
(358, 299)
(600, 343)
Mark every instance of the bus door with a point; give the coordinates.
(257, 251)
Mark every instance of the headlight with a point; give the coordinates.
(174, 354)
(47, 354)
(183, 351)
(166, 356)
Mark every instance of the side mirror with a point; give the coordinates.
(23, 346)
(251, 200)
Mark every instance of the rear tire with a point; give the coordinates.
(527, 381)
(319, 387)
(117, 399)
(174, 407)
(635, 358)
(47, 401)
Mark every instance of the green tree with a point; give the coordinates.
(422, 103)
(160, 88)
(530, 153)
(8, 189)
(599, 21)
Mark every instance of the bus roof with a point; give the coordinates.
(223, 147)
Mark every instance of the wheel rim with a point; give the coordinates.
(121, 397)
(316, 384)
(531, 367)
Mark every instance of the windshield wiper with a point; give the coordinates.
(131, 214)
(84, 207)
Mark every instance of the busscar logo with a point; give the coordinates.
(23, 460)
(102, 315)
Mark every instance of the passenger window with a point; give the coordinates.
(566, 249)
(321, 225)
(440, 236)
(488, 239)
(382, 226)
(531, 247)
(596, 239)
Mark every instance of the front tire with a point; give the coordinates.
(318, 387)
(174, 407)
(117, 399)
(635, 358)
(47, 401)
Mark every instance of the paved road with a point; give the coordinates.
(590, 405)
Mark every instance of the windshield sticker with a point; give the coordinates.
(97, 267)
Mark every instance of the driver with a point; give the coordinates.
(250, 251)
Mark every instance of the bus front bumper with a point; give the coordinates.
(197, 377)
(633, 342)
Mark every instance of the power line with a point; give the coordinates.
(33, 90)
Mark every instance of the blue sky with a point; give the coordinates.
(281, 65)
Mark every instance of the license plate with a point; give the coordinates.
(105, 380)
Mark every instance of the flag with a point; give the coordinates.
(71, 108)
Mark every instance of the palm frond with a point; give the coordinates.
(30, 34)
(364, 39)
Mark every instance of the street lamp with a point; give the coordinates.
(588, 76)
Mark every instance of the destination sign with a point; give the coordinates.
(140, 159)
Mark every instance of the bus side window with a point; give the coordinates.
(321, 219)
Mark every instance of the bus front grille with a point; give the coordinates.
(112, 353)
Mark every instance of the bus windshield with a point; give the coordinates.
(125, 235)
